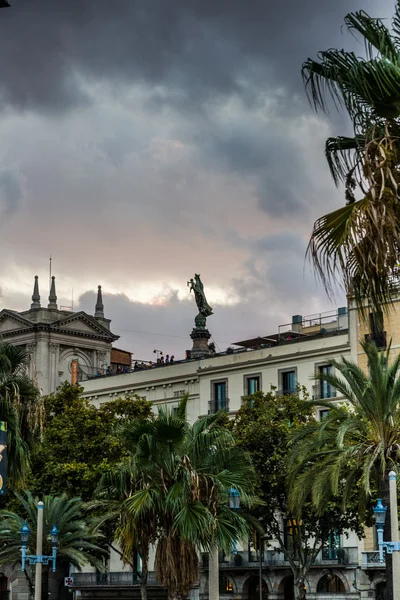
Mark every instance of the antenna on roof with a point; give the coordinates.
(50, 273)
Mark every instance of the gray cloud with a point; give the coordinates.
(202, 51)
(141, 141)
(10, 192)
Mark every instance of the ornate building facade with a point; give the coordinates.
(55, 337)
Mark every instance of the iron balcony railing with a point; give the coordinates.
(244, 559)
(215, 405)
(114, 579)
(323, 392)
(378, 338)
(370, 560)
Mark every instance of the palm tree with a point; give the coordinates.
(355, 446)
(361, 239)
(132, 536)
(20, 408)
(79, 540)
(186, 474)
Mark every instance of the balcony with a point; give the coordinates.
(214, 406)
(323, 392)
(370, 560)
(271, 558)
(378, 338)
(115, 579)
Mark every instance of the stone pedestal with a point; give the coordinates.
(200, 336)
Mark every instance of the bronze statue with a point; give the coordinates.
(197, 287)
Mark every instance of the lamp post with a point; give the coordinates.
(38, 559)
(392, 547)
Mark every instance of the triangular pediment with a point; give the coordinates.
(10, 321)
(81, 323)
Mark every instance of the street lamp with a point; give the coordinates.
(380, 516)
(392, 547)
(234, 499)
(38, 559)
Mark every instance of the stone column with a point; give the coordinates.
(200, 336)
(31, 349)
(213, 574)
(53, 366)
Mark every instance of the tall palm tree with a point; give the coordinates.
(20, 407)
(187, 472)
(132, 536)
(361, 240)
(79, 540)
(355, 446)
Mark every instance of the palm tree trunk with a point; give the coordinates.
(387, 538)
(213, 574)
(143, 576)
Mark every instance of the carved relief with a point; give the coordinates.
(31, 347)
(101, 357)
(53, 347)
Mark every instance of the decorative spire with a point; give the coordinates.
(99, 310)
(36, 296)
(53, 297)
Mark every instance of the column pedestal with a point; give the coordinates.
(200, 336)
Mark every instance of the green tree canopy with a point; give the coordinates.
(263, 427)
(181, 479)
(78, 444)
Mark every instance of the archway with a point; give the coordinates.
(380, 591)
(286, 588)
(226, 585)
(253, 589)
(4, 592)
(330, 583)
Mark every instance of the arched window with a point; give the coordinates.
(330, 583)
(225, 585)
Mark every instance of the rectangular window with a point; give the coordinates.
(290, 536)
(376, 322)
(288, 379)
(220, 401)
(377, 335)
(323, 413)
(326, 391)
(252, 385)
(331, 546)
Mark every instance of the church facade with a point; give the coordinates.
(54, 338)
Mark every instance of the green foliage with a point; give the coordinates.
(361, 240)
(177, 485)
(264, 427)
(79, 444)
(80, 542)
(20, 407)
(359, 445)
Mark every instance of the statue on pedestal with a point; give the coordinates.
(196, 286)
(200, 335)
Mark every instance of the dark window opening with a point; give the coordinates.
(330, 584)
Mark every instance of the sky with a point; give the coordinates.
(144, 141)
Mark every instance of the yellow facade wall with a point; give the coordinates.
(391, 325)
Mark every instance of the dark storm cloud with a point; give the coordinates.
(191, 52)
